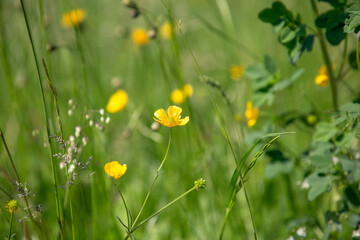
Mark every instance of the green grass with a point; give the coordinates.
(83, 68)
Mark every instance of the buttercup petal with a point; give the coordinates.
(174, 112)
(183, 121)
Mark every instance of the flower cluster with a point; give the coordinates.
(171, 118)
(75, 17)
(115, 169)
(12, 206)
(236, 72)
(322, 78)
(251, 114)
(178, 96)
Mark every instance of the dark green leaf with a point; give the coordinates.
(318, 185)
(352, 60)
(352, 194)
(335, 35)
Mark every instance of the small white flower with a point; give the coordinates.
(305, 184)
(77, 131)
(301, 232)
(107, 120)
(72, 139)
(335, 159)
(102, 119)
(91, 122)
(71, 102)
(290, 238)
(70, 112)
(87, 116)
(102, 111)
(62, 165)
(97, 125)
(356, 233)
(84, 141)
(155, 126)
(71, 168)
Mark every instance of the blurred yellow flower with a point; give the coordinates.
(236, 72)
(115, 169)
(177, 96)
(166, 31)
(140, 37)
(76, 17)
(323, 70)
(188, 90)
(322, 80)
(251, 114)
(171, 118)
(12, 206)
(117, 101)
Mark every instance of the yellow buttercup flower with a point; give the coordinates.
(140, 37)
(177, 96)
(322, 80)
(76, 17)
(236, 72)
(323, 70)
(12, 206)
(117, 101)
(188, 90)
(251, 114)
(115, 169)
(171, 118)
(166, 31)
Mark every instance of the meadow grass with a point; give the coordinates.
(58, 131)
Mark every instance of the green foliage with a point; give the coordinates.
(266, 81)
(292, 33)
(352, 22)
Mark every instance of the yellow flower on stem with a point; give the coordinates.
(171, 118)
(76, 17)
(115, 169)
(117, 101)
(322, 80)
(140, 37)
(177, 96)
(166, 31)
(236, 72)
(251, 114)
(12, 206)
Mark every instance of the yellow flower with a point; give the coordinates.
(171, 118)
(12, 206)
(117, 101)
(236, 72)
(166, 31)
(251, 114)
(76, 17)
(323, 70)
(115, 169)
(322, 80)
(177, 96)
(188, 90)
(140, 37)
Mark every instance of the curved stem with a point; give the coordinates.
(11, 221)
(163, 208)
(343, 59)
(126, 208)
(327, 60)
(357, 53)
(153, 182)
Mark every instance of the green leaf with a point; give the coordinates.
(269, 16)
(352, 194)
(318, 185)
(322, 162)
(287, 35)
(335, 35)
(346, 141)
(256, 71)
(351, 110)
(324, 132)
(274, 169)
(352, 23)
(260, 98)
(269, 64)
(352, 60)
(287, 82)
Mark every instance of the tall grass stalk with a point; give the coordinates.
(54, 93)
(225, 13)
(221, 119)
(37, 226)
(47, 123)
(327, 60)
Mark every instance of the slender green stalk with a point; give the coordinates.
(221, 119)
(343, 59)
(357, 53)
(11, 222)
(53, 162)
(37, 226)
(125, 205)
(225, 13)
(326, 57)
(153, 182)
(54, 93)
(163, 208)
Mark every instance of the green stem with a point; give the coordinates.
(163, 208)
(326, 57)
(54, 93)
(126, 208)
(153, 182)
(11, 221)
(357, 53)
(53, 162)
(221, 119)
(343, 59)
